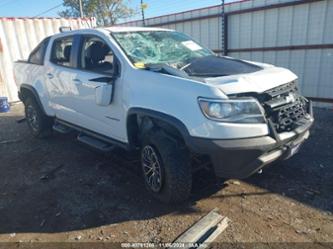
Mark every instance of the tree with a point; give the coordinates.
(107, 12)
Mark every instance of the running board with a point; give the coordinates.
(61, 128)
(95, 143)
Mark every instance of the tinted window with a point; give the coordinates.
(61, 51)
(96, 56)
(37, 55)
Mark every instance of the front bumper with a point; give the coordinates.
(240, 158)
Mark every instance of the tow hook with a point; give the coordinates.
(259, 171)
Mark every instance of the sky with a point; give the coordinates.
(32, 8)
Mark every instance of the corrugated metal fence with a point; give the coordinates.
(19, 36)
(294, 34)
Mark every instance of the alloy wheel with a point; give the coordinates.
(151, 168)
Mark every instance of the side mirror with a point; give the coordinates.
(103, 94)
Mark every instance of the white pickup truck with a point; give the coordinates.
(161, 92)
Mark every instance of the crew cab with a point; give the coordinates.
(162, 93)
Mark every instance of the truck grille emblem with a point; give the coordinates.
(291, 98)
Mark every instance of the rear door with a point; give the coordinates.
(60, 76)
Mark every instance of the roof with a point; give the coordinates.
(132, 29)
(107, 29)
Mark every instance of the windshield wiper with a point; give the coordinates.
(166, 69)
(207, 74)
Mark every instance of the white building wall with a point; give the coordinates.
(305, 24)
(19, 36)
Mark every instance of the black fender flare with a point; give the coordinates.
(172, 121)
(33, 91)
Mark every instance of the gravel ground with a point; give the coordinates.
(57, 190)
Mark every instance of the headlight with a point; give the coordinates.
(247, 110)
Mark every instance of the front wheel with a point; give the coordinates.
(166, 169)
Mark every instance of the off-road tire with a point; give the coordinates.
(42, 126)
(175, 166)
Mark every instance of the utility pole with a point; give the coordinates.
(81, 9)
(143, 7)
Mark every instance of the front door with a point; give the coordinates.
(97, 102)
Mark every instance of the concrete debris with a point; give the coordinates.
(78, 237)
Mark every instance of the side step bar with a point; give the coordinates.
(95, 136)
(61, 128)
(95, 143)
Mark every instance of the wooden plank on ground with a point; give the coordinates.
(204, 231)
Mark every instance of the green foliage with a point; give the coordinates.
(107, 12)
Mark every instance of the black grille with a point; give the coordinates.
(284, 107)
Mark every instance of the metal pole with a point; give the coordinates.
(81, 9)
(223, 33)
(143, 13)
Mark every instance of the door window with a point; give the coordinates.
(96, 56)
(61, 51)
(37, 55)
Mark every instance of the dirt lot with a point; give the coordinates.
(58, 190)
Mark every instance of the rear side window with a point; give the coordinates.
(61, 51)
(37, 55)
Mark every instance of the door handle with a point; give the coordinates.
(77, 81)
(50, 76)
(103, 80)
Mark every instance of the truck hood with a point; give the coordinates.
(230, 75)
(260, 81)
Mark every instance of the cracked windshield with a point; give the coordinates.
(160, 47)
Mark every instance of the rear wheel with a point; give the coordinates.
(165, 165)
(39, 124)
